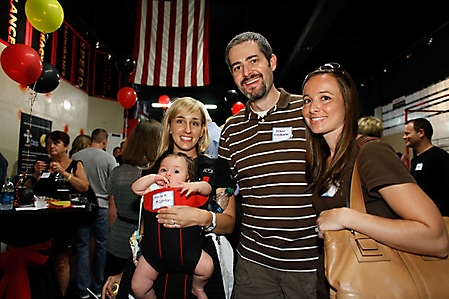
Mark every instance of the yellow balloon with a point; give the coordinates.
(45, 15)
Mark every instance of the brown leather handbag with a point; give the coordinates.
(357, 266)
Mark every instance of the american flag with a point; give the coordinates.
(172, 43)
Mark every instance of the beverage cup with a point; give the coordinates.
(39, 202)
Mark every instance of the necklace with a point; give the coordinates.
(63, 165)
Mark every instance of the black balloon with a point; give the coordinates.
(232, 96)
(48, 81)
(125, 64)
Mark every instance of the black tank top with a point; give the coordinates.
(47, 186)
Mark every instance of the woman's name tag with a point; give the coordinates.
(331, 192)
(45, 175)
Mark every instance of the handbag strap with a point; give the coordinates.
(356, 200)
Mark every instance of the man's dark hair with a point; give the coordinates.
(422, 123)
(263, 43)
(98, 135)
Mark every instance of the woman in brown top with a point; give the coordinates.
(400, 214)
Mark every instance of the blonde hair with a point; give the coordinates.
(183, 105)
(79, 143)
(371, 126)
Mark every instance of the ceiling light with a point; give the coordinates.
(157, 105)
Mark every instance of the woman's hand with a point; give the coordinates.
(56, 167)
(107, 291)
(182, 216)
(330, 220)
(39, 167)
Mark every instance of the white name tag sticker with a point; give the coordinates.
(163, 199)
(45, 175)
(418, 166)
(282, 134)
(331, 192)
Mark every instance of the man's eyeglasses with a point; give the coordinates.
(329, 66)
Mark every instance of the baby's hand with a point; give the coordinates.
(161, 181)
(188, 188)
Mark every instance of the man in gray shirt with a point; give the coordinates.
(98, 165)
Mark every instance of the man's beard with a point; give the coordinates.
(257, 95)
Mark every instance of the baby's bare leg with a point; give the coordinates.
(143, 279)
(203, 272)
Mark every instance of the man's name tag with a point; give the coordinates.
(163, 199)
(45, 175)
(282, 134)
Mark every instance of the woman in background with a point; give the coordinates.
(72, 172)
(80, 142)
(140, 151)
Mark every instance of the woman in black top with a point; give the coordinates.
(60, 172)
(185, 131)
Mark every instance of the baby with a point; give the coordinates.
(175, 249)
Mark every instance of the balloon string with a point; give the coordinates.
(32, 100)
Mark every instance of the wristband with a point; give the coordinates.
(69, 177)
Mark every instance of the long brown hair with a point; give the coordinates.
(318, 174)
(142, 144)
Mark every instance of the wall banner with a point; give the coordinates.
(32, 133)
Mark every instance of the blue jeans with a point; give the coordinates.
(100, 230)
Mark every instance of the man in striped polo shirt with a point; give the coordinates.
(264, 145)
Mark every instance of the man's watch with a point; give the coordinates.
(212, 226)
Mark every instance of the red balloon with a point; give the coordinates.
(237, 107)
(21, 63)
(127, 97)
(164, 99)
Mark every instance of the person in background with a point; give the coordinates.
(214, 134)
(430, 163)
(161, 247)
(264, 145)
(185, 131)
(118, 158)
(98, 166)
(117, 151)
(3, 169)
(80, 142)
(72, 171)
(370, 126)
(399, 214)
(124, 204)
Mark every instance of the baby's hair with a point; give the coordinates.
(191, 169)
